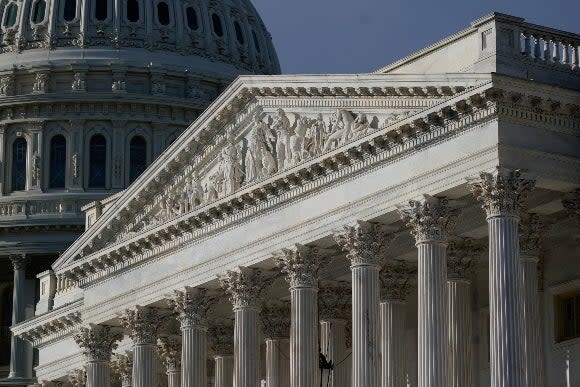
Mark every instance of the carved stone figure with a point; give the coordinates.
(7, 85)
(230, 168)
(40, 83)
(194, 191)
(281, 126)
(259, 161)
(297, 142)
(341, 127)
(79, 83)
(36, 174)
(314, 137)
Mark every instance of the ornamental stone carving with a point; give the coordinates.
(122, 368)
(334, 302)
(78, 377)
(259, 161)
(243, 286)
(221, 337)
(40, 85)
(430, 219)
(142, 324)
(97, 342)
(7, 85)
(276, 320)
(502, 192)
(191, 306)
(461, 256)
(396, 280)
(19, 261)
(364, 243)
(79, 83)
(300, 265)
(169, 349)
(530, 232)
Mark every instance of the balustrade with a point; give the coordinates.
(545, 46)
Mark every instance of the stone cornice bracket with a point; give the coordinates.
(276, 320)
(334, 302)
(142, 323)
(19, 261)
(97, 342)
(78, 377)
(531, 229)
(221, 339)
(571, 202)
(300, 265)
(191, 306)
(365, 243)
(169, 349)
(122, 368)
(430, 219)
(396, 280)
(244, 287)
(502, 192)
(461, 256)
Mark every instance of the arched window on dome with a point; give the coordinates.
(256, 41)
(101, 9)
(70, 10)
(10, 15)
(137, 157)
(98, 161)
(38, 11)
(216, 21)
(19, 151)
(191, 16)
(163, 13)
(57, 173)
(239, 33)
(133, 11)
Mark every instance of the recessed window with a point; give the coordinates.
(568, 316)
(239, 32)
(38, 11)
(57, 162)
(133, 10)
(216, 21)
(256, 41)
(137, 157)
(97, 161)
(19, 149)
(70, 10)
(101, 9)
(191, 15)
(163, 13)
(10, 15)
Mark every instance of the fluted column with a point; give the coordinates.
(142, 323)
(530, 231)
(276, 324)
(222, 341)
(122, 367)
(97, 344)
(502, 193)
(169, 349)
(244, 286)
(20, 350)
(301, 268)
(430, 220)
(395, 277)
(364, 244)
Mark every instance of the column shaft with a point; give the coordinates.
(19, 348)
(393, 343)
(460, 332)
(432, 305)
(144, 358)
(246, 347)
(304, 337)
(194, 356)
(365, 327)
(277, 363)
(333, 346)
(174, 379)
(532, 320)
(98, 374)
(224, 371)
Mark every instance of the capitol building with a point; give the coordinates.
(175, 214)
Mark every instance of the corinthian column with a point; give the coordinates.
(191, 307)
(502, 194)
(276, 323)
(142, 323)
(97, 344)
(169, 349)
(530, 231)
(244, 286)
(395, 278)
(222, 339)
(364, 244)
(459, 263)
(429, 221)
(20, 351)
(122, 367)
(301, 268)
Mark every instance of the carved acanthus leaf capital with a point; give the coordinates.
(122, 368)
(244, 287)
(396, 280)
(430, 219)
(97, 342)
(142, 323)
(364, 243)
(78, 377)
(191, 306)
(530, 233)
(502, 192)
(300, 265)
(19, 261)
(276, 320)
(461, 255)
(169, 349)
(221, 338)
(334, 302)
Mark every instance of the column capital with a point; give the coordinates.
(364, 243)
(169, 349)
(300, 265)
(244, 287)
(191, 306)
(222, 339)
(461, 255)
(142, 323)
(530, 234)
(19, 261)
(429, 219)
(334, 303)
(396, 280)
(276, 320)
(502, 192)
(78, 377)
(97, 342)
(122, 367)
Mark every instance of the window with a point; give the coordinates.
(239, 32)
(38, 11)
(97, 161)
(133, 10)
(256, 42)
(101, 10)
(216, 21)
(57, 162)
(70, 10)
(568, 316)
(19, 149)
(10, 15)
(137, 157)
(191, 15)
(163, 13)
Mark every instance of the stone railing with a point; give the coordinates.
(23, 209)
(549, 46)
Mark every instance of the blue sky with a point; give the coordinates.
(357, 36)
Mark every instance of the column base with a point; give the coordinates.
(17, 382)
